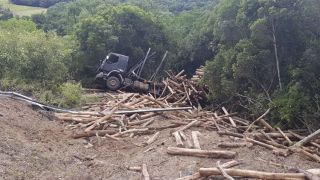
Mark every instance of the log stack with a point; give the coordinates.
(125, 115)
(198, 74)
(180, 90)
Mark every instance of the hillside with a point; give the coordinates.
(21, 10)
(34, 146)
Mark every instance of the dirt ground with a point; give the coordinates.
(34, 147)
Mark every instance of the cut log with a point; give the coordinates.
(223, 172)
(163, 105)
(152, 139)
(201, 153)
(234, 145)
(252, 174)
(259, 118)
(131, 131)
(178, 139)
(230, 134)
(188, 126)
(138, 169)
(194, 176)
(145, 172)
(307, 139)
(93, 133)
(230, 118)
(301, 137)
(285, 136)
(97, 122)
(186, 139)
(306, 153)
(196, 143)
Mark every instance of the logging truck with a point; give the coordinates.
(114, 74)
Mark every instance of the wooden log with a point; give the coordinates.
(131, 131)
(261, 143)
(152, 139)
(135, 168)
(201, 153)
(301, 137)
(272, 135)
(148, 122)
(258, 119)
(164, 127)
(77, 119)
(145, 173)
(306, 153)
(163, 105)
(196, 143)
(138, 122)
(228, 133)
(180, 73)
(188, 125)
(230, 118)
(197, 175)
(252, 174)
(307, 139)
(223, 172)
(178, 139)
(186, 139)
(200, 73)
(194, 176)
(277, 151)
(97, 122)
(234, 145)
(93, 133)
(285, 136)
(309, 175)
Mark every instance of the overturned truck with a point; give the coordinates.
(114, 74)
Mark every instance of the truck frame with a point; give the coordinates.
(114, 74)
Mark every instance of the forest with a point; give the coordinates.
(258, 54)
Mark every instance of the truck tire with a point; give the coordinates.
(113, 83)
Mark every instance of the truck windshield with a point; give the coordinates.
(112, 59)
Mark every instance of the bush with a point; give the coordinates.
(71, 95)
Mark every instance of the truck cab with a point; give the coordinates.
(114, 62)
(112, 71)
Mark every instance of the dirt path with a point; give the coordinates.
(33, 147)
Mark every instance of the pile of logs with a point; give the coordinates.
(180, 90)
(123, 115)
(198, 75)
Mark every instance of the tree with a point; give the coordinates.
(30, 57)
(123, 29)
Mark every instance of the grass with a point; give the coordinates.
(19, 10)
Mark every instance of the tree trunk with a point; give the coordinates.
(276, 52)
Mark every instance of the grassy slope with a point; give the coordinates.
(21, 10)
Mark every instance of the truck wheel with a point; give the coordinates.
(113, 83)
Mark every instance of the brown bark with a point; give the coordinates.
(252, 174)
(201, 153)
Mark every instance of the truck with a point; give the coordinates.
(114, 74)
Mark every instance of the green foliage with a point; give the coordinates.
(71, 95)
(123, 29)
(292, 106)
(66, 95)
(31, 56)
(251, 35)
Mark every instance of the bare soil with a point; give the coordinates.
(34, 147)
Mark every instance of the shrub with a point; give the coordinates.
(71, 95)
